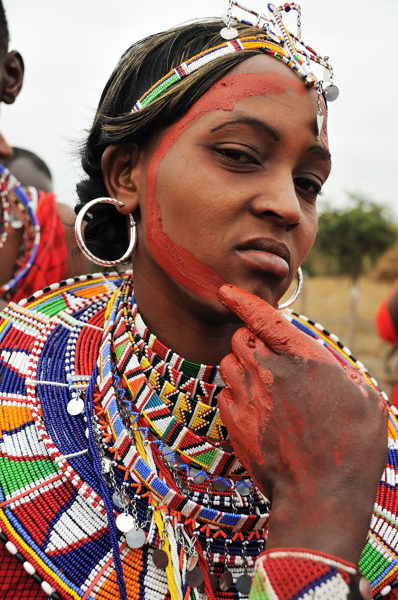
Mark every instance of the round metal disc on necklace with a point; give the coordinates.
(75, 406)
(167, 453)
(135, 538)
(160, 558)
(125, 522)
(243, 489)
(225, 581)
(116, 500)
(229, 33)
(243, 584)
(213, 581)
(194, 578)
(332, 93)
(221, 486)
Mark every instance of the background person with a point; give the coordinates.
(37, 240)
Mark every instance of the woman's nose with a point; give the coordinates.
(278, 200)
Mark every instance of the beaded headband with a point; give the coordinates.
(274, 39)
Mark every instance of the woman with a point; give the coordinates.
(121, 480)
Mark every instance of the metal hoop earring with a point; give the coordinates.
(82, 245)
(296, 292)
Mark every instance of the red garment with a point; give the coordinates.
(51, 259)
(386, 330)
(15, 581)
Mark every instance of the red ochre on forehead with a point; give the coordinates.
(177, 261)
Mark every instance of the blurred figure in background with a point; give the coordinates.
(386, 322)
(36, 233)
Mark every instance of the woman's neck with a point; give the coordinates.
(198, 332)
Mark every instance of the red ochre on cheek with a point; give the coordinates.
(176, 260)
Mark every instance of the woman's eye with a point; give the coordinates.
(308, 187)
(237, 156)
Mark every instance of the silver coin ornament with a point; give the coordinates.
(332, 93)
(213, 581)
(243, 584)
(160, 559)
(243, 489)
(229, 33)
(117, 501)
(125, 522)
(167, 453)
(194, 578)
(225, 581)
(221, 486)
(135, 538)
(75, 406)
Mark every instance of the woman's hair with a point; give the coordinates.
(142, 65)
(4, 33)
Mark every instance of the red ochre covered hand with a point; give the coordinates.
(313, 434)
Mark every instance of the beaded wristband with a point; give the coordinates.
(295, 572)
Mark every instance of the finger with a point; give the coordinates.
(232, 371)
(270, 325)
(247, 347)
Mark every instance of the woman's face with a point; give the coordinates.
(228, 193)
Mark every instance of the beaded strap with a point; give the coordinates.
(299, 572)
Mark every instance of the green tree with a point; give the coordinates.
(351, 239)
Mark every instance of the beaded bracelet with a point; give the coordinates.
(293, 572)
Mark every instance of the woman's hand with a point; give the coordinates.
(311, 432)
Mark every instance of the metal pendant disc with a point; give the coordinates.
(332, 93)
(213, 581)
(160, 558)
(221, 486)
(225, 581)
(229, 33)
(192, 562)
(243, 489)
(124, 522)
(135, 538)
(75, 406)
(116, 500)
(243, 584)
(194, 578)
(167, 453)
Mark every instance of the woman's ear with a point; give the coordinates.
(13, 71)
(121, 172)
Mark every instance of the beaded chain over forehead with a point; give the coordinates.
(273, 38)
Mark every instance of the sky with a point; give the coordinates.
(70, 48)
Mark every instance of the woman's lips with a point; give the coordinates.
(266, 255)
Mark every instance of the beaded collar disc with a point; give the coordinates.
(117, 478)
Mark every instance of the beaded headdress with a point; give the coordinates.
(273, 38)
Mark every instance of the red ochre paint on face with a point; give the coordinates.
(176, 260)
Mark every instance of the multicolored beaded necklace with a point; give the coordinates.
(121, 493)
(20, 204)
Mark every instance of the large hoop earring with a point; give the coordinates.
(82, 245)
(296, 292)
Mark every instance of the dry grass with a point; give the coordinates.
(327, 300)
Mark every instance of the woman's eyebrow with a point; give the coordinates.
(256, 123)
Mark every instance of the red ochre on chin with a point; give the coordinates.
(176, 260)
